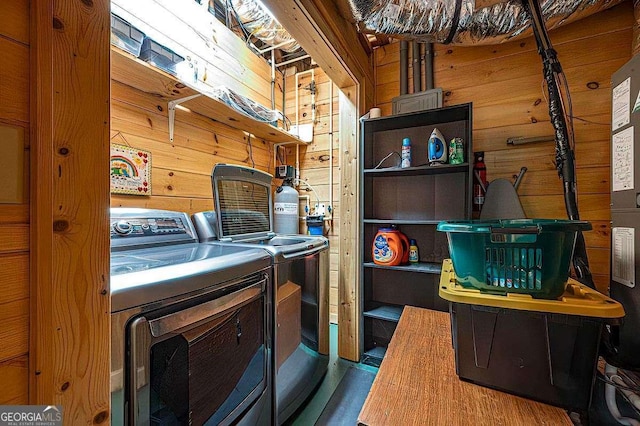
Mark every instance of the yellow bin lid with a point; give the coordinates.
(576, 300)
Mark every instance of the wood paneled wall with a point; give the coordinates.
(70, 307)
(314, 158)
(14, 218)
(181, 170)
(505, 84)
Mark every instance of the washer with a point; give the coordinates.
(243, 217)
(190, 325)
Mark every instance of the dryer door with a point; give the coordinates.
(201, 365)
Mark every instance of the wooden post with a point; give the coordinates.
(349, 274)
(70, 314)
(332, 42)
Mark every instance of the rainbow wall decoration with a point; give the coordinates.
(130, 170)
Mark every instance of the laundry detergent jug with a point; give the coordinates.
(390, 247)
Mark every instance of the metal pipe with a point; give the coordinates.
(297, 162)
(273, 80)
(516, 184)
(307, 199)
(429, 65)
(270, 48)
(520, 140)
(404, 68)
(290, 61)
(313, 97)
(297, 174)
(331, 146)
(306, 72)
(296, 93)
(416, 66)
(313, 89)
(284, 101)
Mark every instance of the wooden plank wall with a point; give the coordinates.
(181, 171)
(504, 82)
(70, 308)
(14, 218)
(314, 158)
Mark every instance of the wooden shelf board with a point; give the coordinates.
(402, 221)
(131, 71)
(418, 170)
(374, 356)
(422, 267)
(308, 300)
(385, 313)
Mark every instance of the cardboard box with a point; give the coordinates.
(288, 321)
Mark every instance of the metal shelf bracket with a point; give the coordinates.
(172, 112)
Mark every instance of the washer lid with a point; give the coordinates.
(152, 275)
(243, 202)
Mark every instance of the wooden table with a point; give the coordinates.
(417, 384)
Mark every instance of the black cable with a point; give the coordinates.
(584, 120)
(455, 21)
(560, 113)
(612, 383)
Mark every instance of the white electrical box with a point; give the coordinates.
(421, 101)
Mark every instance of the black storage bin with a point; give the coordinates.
(160, 56)
(543, 356)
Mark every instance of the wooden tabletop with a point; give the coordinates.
(417, 384)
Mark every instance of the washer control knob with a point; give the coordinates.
(122, 227)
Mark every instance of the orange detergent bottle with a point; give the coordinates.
(390, 247)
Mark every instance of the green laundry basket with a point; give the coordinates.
(529, 256)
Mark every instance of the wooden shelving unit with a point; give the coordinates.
(415, 199)
(129, 70)
(400, 222)
(424, 169)
(421, 267)
(387, 313)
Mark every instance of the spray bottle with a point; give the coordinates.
(406, 153)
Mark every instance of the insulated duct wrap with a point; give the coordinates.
(460, 22)
(258, 21)
(246, 106)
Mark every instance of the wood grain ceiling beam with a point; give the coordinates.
(364, 42)
(381, 40)
(330, 38)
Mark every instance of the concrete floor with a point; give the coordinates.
(309, 413)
